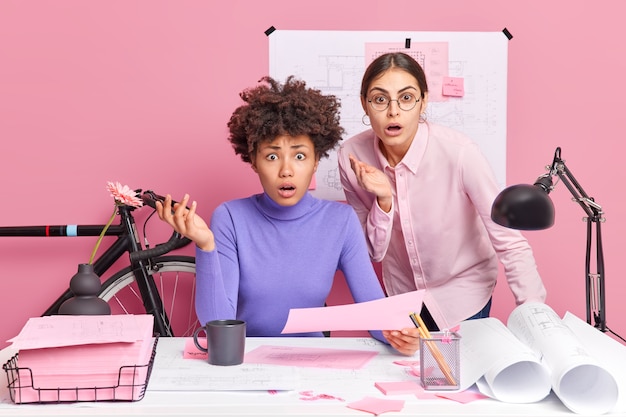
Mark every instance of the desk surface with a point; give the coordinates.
(347, 386)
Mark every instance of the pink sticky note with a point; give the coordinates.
(398, 387)
(453, 86)
(422, 394)
(192, 352)
(407, 363)
(462, 397)
(415, 370)
(377, 406)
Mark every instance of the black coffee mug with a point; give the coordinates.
(226, 341)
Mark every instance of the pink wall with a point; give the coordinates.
(79, 80)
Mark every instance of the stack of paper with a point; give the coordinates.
(83, 358)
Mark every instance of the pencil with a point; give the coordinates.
(425, 334)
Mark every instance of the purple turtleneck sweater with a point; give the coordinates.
(269, 259)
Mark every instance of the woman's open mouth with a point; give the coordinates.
(393, 129)
(287, 190)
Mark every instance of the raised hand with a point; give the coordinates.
(373, 180)
(186, 222)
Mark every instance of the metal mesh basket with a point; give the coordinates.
(131, 385)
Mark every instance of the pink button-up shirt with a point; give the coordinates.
(439, 235)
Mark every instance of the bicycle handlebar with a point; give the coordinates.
(175, 241)
(150, 198)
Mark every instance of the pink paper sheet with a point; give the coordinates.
(310, 357)
(390, 313)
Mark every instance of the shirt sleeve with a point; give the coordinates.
(511, 246)
(216, 290)
(375, 222)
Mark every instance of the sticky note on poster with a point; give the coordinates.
(453, 87)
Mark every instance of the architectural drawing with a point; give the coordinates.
(334, 62)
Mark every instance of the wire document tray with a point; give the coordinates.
(132, 381)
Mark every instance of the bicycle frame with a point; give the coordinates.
(128, 240)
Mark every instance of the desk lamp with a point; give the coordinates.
(528, 207)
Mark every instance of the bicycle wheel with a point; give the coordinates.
(175, 278)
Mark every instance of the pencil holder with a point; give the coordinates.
(440, 361)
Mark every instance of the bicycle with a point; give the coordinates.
(152, 283)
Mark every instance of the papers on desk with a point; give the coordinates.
(310, 357)
(266, 367)
(389, 313)
(535, 353)
(82, 358)
(190, 371)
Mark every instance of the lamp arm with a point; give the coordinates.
(594, 283)
(588, 204)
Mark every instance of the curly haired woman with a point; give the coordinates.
(280, 249)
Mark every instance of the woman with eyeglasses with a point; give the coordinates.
(423, 193)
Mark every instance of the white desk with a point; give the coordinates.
(349, 385)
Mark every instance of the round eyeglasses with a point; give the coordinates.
(406, 102)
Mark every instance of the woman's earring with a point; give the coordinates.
(422, 117)
(366, 120)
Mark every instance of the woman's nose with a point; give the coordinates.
(286, 170)
(394, 108)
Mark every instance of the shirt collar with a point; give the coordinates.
(413, 156)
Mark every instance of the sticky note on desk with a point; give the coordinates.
(192, 352)
(377, 406)
(398, 387)
(453, 87)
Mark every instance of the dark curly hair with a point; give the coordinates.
(290, 109)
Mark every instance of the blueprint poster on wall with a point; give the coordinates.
(466, 74)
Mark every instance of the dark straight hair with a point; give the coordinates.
(393, 60)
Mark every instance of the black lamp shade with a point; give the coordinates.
(523, 207)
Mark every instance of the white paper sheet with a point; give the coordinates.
(578, 378)
(535, 353)
(501, 364)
